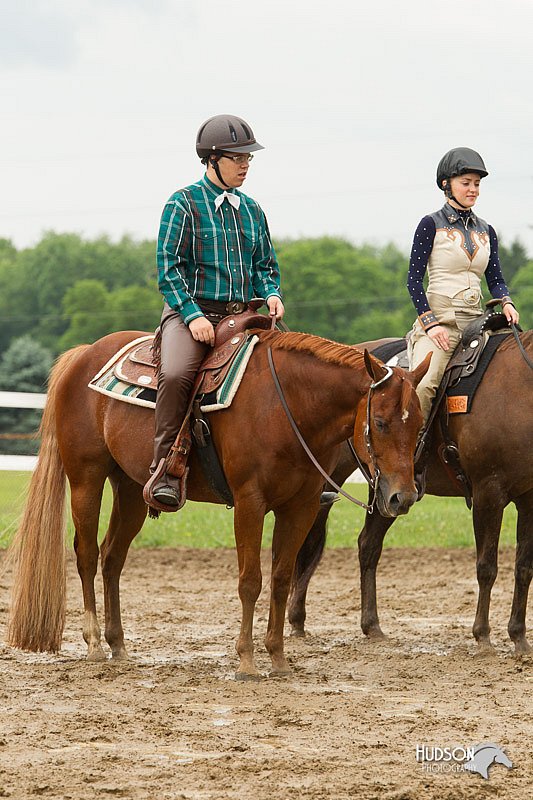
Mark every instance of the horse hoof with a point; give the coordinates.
(375, 634)
(298, 632)
(280, 673)
(248, 676)
(120, 655)
(96, 654)
(484, 650)
(522, 648)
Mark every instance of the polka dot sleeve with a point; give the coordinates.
(493, 273)
(420, 252)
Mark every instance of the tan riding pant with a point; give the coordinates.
(453, 315)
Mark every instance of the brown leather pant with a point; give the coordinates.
(181, 357)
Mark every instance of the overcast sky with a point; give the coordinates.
(355, 103)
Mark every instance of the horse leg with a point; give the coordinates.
(290, 529)
(307, 561)
(311, 550)
(127, 518)
(487, 516)
(370, 544)
(248, 524)
(523, 572)
(86, 497)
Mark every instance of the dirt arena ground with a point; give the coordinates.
(173, 723)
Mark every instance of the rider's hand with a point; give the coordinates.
(202, 330)
(439, 335)
(275, 307)
(511, 313)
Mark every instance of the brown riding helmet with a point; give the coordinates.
(225, 133)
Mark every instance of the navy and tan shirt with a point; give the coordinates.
(208, 254)
(456, 248)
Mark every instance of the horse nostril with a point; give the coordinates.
(401, 502)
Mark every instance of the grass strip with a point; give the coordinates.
(434, 522)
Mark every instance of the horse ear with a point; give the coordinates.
(418, 373)
(375, 368)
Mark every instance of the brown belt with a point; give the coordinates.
(220, 308)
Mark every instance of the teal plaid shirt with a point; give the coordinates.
(203, 254)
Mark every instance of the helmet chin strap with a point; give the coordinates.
(214, 163)
(449, 194)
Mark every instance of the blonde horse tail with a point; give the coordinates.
(38, 552)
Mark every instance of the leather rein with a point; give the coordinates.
(521, 346)
(372, 481)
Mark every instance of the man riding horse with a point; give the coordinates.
(214, 254)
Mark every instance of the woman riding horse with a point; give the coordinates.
(455, 247)
(494, 440)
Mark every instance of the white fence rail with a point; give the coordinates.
(20, 400)
(17, 463)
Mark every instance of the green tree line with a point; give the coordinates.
(67, 290)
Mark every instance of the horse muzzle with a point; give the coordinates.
(394, 503)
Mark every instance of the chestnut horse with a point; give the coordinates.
(89, 438)
(495, 443)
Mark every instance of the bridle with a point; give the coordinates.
(372, 480)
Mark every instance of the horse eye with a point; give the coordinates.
(380, 425)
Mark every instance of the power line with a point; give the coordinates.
(315, 303)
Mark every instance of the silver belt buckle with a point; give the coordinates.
(235, 308)
(471, 297)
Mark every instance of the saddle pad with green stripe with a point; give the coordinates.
(112, 380)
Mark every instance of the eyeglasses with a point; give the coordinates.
(245, 159)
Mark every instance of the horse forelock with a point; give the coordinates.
(343, 355)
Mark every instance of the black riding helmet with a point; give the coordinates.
(458, 161)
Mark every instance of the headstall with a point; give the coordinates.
(373, 480)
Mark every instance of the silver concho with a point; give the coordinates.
(471, 297)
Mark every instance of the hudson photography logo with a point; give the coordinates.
(476, 759)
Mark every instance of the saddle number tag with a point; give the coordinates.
(458, 404)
